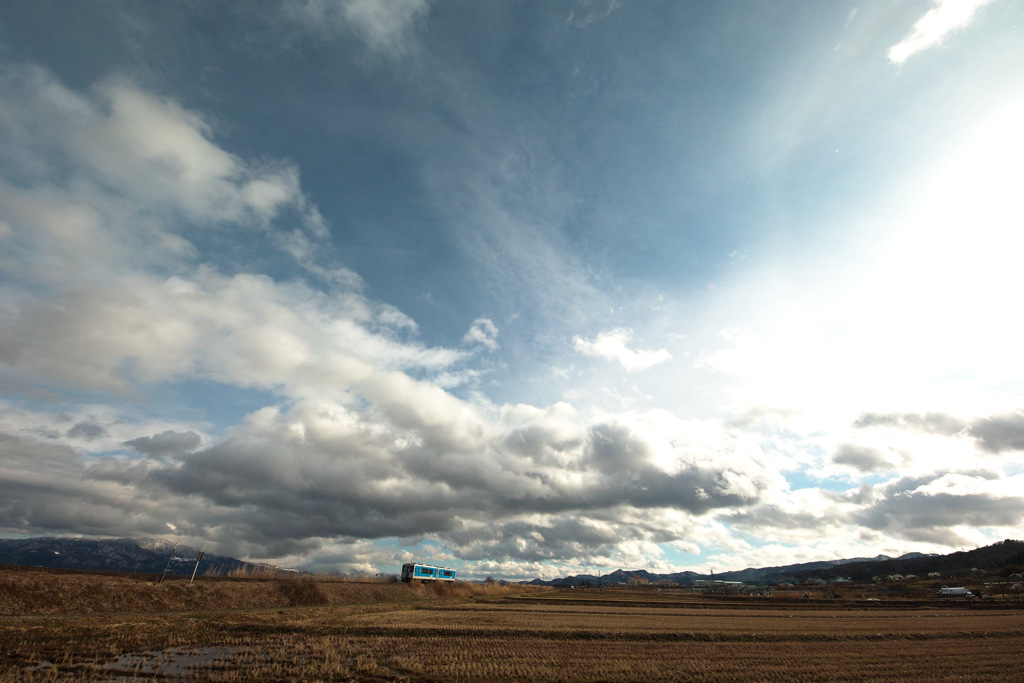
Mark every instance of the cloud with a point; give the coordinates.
(939, 509)
(932, 512)
(104, 292)
(862, 458)
(244, 330)
(155, 150)
(1000, 433)
(531, 484)
(612, 345)
(348, 556)
(930, 30)
(383, 26)
(996, 434)
(89, 430)
(934, 423)
(483, 332)
(47, 488)
(165, 444)
(589, 12)
(120, 178)
(558, 538)
(111, 296)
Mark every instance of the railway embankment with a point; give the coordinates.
(27, 591)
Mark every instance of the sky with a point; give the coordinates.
(527, 289)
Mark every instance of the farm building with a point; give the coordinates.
(956, 592)
(715, 584)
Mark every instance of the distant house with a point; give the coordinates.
(955, 592)
(715, 584)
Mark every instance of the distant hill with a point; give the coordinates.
(143, 555)
(987, 558)
(782, 574)
(1003, 553)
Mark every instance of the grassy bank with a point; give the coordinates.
(26, 592)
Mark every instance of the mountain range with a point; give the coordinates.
(140, 555)
(1001, 554)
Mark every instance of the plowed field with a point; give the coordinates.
(595, 635)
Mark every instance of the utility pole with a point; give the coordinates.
(196, 569)
(168, 566)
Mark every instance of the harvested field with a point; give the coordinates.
(413, 633)
(624, 622)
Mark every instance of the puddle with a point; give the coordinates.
(167, 663)
(178, 663)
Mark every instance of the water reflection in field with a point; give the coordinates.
(173, 662)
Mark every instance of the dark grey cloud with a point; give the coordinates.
(904, 509)
(1000, 434)
(862, 495)
(273, 488)
(47, 488)
(336, 488)
(284, 481)
(33, 456)
(90, 430)
(45, 432)
(926, 508)
(863, 458)
(562, 537)
(920, 510)
(165, 444)
(758, 517)
(50, 488)
(542, 445)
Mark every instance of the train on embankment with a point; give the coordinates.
(414, 571)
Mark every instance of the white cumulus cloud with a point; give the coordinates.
(484, 332)
(613, 345)
(931, 29)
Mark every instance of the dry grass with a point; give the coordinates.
(463, 632)
(263, 572)
(627, 622)
(24, 592)
(267, 572)
(359, 578)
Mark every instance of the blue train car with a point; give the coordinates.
(414, 571)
